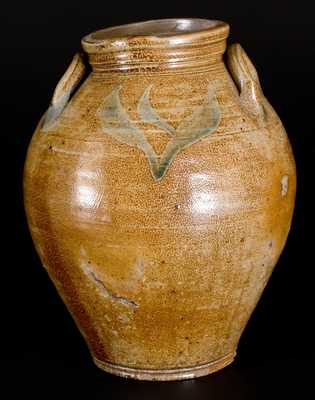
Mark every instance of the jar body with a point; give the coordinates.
(160, 270)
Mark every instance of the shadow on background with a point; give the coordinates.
(49, 378)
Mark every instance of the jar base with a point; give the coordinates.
(173, 374)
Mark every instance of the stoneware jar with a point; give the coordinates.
(159, 195)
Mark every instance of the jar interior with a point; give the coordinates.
(158, 28)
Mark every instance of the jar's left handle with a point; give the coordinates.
(63, 90)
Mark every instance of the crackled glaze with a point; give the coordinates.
(160, 196)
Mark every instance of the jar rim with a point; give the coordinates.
(155, 33)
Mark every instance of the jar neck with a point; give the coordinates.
(187, 50)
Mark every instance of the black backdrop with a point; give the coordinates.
(42, 352)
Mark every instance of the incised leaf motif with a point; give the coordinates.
(117, 123)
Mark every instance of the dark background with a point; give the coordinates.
(42, 352)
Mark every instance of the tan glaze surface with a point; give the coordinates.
(160, 197)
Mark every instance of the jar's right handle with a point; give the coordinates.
(246, 78)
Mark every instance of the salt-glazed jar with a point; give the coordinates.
(159, 196)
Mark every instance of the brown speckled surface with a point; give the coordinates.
(161, 274)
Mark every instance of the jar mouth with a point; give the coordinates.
(158, 28)
(165, 31)
(157, 45)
